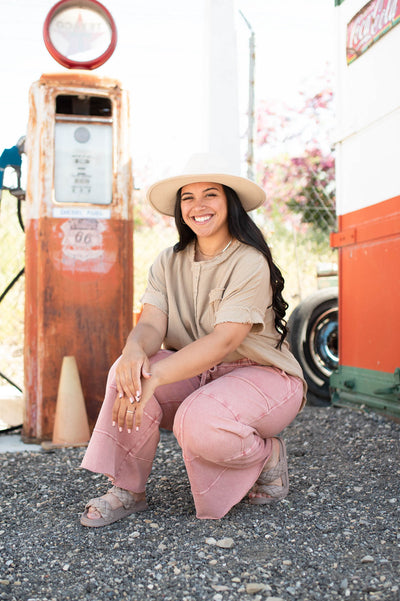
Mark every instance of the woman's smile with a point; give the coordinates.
(205, 210)
(202, 218)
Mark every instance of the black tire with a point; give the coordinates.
(313, 337)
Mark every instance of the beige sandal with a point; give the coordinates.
(263, 485)
(108, 514)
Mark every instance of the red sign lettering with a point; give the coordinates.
(369, 24)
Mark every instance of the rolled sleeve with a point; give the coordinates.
(156, 293)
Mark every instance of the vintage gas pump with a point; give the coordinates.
(79, 228)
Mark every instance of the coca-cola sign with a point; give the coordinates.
(369, 24)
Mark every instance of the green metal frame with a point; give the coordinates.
(365, 388)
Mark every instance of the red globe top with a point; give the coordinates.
(80, 34)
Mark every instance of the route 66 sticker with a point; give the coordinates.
(83, 239)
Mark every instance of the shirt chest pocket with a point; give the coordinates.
(215, 297)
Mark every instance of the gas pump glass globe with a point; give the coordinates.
(80, 34)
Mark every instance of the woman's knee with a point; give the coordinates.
(205, 428)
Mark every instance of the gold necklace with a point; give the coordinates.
(216, 254)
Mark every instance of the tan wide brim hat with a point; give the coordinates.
(204, 168)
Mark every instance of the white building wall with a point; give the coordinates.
(222, 135)
(368, 109)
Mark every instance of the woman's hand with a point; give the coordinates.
(132, 367)
(126, 412)
(143, 342)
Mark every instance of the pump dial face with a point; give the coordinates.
(80, 34)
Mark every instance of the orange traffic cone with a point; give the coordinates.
(71, 427)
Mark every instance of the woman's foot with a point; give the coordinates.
(273, 482)
(116, 504)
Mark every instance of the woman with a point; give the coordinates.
(225, 380)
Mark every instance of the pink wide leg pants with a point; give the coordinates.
(223, 421)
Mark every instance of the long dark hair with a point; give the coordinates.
(243, 228)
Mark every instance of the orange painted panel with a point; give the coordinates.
(369, 288)
(79, 301)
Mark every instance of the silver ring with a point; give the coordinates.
(130, 412)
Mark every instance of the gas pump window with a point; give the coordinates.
(83, 151)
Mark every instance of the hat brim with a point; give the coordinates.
(162, 194)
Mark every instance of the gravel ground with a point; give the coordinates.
(336, 536)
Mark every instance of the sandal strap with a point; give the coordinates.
(104, 507)
(124, 496)
(268, 476)
(272, 490)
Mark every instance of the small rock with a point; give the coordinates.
(287, 562)
(393, 501)
(213, 562)
(176, 571)
(235, 579)
(211, 541)
(254, 587)
(225, 543)
(217, 597)
(66, 567)
(274, 599)
(220, 588)
(357, 488)
(367, 559)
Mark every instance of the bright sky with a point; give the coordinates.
(158, 59)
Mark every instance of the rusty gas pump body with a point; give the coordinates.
(79, 239)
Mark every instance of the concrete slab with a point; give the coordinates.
(12, 443)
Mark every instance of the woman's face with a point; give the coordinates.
(205, 209)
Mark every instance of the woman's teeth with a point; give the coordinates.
(202, 219)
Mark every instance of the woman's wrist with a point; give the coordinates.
(131, 346)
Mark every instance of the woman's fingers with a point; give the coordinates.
(127, 378)
(138, 415)
(125, 415)
(115, 410)
(130, 413)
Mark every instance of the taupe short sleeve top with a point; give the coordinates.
(232, 287)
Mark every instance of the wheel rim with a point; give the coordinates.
(324, 341)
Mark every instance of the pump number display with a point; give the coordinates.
(83, 163)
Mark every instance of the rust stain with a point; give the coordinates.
(79, 77)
